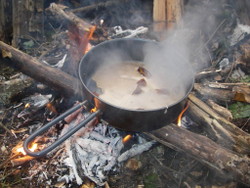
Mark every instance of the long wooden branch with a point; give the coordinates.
(58, 10)
(30, 66)
(203, 149)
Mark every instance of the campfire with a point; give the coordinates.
(174, 112)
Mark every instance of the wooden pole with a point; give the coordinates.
(159, 15)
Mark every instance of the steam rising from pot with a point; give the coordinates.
(171, 62)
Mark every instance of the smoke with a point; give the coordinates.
(182, 52)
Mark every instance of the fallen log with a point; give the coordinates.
(30, 66)
(58, 11)
(227, 163)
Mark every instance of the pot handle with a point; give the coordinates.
(63, 137)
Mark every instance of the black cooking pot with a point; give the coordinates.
(121, 118)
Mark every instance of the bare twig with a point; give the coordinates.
(5, 128)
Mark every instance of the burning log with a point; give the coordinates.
(79, 33)
(203, 149)
(30, 66)
(58, 10)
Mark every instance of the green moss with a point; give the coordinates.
(240, 110)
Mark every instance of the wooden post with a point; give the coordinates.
(27, 20)
(159, 15)
(167, 14)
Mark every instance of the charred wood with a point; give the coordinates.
(60, 13)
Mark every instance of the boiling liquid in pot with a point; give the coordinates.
(119, 83)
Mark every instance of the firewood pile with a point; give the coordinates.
(207, 147)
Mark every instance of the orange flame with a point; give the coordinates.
(27, 105)
(93, 110)
(90, 36)
(126, 138)
(32, 148)
(51, 107)
(91, 32)
(181, 114)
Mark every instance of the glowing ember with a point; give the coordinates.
(181, 114)
(93, 110)
(51, 107)
(32, 148)
(27, 105)
(126, 138)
